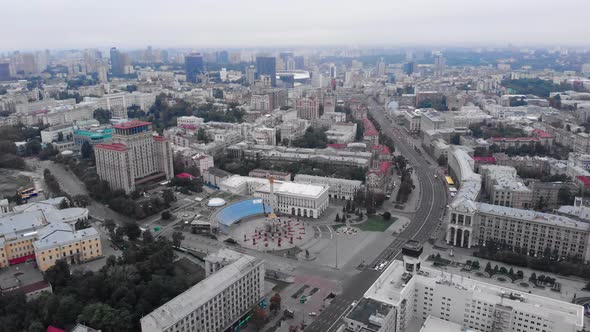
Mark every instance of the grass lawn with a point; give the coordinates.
(375, 223)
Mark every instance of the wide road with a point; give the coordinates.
(432, 202)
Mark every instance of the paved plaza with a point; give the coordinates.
(264, 234)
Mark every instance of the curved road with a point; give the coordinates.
(432, 202)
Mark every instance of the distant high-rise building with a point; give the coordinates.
(439, 65)
(118, 62)
(380, 68)
(290, 65)
(250, 75)
(28, 65)
(135, 156)
(299, 62)
(222, 57)
(193, 64)
(332, 71)
(285, 56)
(164, 56)
(409, 68)
(267, 65)
(4, 72)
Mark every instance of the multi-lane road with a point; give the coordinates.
(432, 202)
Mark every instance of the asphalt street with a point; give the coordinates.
(432, 203)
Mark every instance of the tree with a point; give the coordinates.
(202, 135)
(87, 151)
(564, 196)
(64, 204)
(442, 160)
(511, 272)
(488, 267)
(275, 303)
(59, 274)
(147, 237)
(81, 200)
(456, 139)
(60, 136)
(132, 230)
(386, 215)
(177, 238)
(103, 116)
(110, 225)
(166, 215)
(337, 219)
(533, 277)
(168, 196)
(343, 218)
(258, 318)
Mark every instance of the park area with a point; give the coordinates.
(374, 223)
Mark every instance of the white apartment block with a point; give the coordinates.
(505, 188)
(307, 108)
(343, 132)
(338, 188)
(189, 121)
(118, 102)
(412, 121)
(234, 286)
(431, 119)
(401, 300)
(135, 156)
(261, 103)
(264, 136)
(51, 134)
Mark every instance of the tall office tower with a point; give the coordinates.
(193, 64)
(164, 56)
(267, 65)
(299, 62)
(118, 62)
(380, 68)
(332, 71)
(4, 72)
(290, 64)
(222, 57)
(42, 60)
(409, 68)
(135, 156)
(285, 56)
(439, 65)
(250, 75)
(307, 108)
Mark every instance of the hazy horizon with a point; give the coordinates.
(65, 24)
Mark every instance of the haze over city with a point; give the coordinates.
(40, 24)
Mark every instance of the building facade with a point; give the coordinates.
(338, 188)
(135, 156)
(234, 286)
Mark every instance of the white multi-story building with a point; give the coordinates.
(412, 121)
(261, 103)
(342, 132)
(234, 286)
(402, 300)
(203, 162)
(189, 121)
(52, 134)
(338, 188)
(505, 188)
(264, 136)
(135, 156)
(118, 102)
(298, 199)
(431, 119)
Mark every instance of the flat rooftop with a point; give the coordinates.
(435, 324)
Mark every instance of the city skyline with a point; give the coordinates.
(136, 24)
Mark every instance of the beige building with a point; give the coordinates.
(135, 156)
(504, 187)
(40, 231)
(307, 108)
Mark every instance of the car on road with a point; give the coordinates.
(353, 303)
(313, 314)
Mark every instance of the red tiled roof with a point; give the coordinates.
(159, 138)
(369, 127)
(185, 176)
(131, 124)
(541, 133)
(189, 126)
(385, 166)
(113, 146)
(489, 160)
(383, 149)
(337, 146)
(514, 139)
(585, 180)
(54, 329)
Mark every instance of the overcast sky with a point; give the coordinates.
(36, 24)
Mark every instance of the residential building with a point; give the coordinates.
(266, 174)
(307, 108)
(412, 121)
(135, 156)
(189, 121)
(233, 287)
(370, 133)
(64, 132)
(505, 188)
